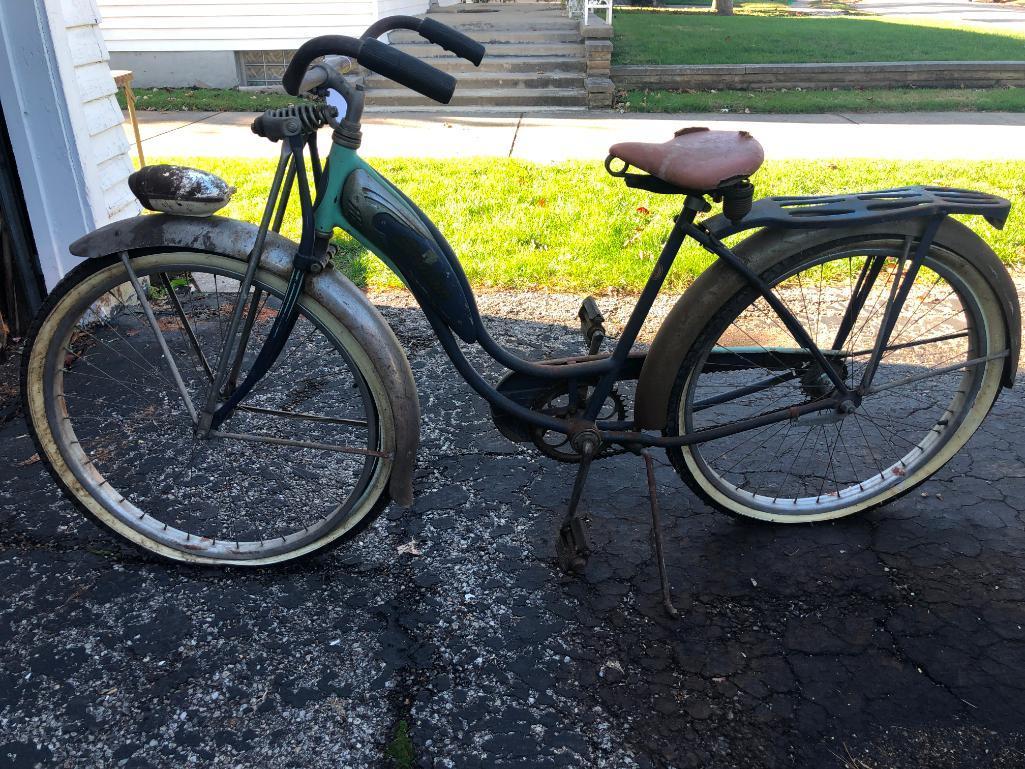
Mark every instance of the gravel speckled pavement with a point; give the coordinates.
(891, 639)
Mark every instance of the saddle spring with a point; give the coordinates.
(293, 120)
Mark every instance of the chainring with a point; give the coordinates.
(556, 445)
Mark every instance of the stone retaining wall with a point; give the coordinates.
(921, 74)
(598, 50)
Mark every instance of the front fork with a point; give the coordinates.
(311, 257)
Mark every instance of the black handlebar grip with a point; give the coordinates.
(405, 69)
(451, 40)
(325, 45)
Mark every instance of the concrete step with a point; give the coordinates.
(533, 64)
(484, 98)
(478, 80)
(525, 13)
(468, 23)
(557, 24)
(501, 35)
(429, 51)
(478, 9)
(535, 61)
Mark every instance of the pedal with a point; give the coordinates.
(573, 547)
(592, 325)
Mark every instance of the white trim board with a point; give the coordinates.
(50, 131)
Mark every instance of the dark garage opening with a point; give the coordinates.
(21, 283)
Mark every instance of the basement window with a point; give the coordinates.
(263, 68)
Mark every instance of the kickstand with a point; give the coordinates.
(573, 547)
(656, 530)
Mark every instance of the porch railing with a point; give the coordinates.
(583, 9)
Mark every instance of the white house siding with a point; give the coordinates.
(150, 36)
(396, 7)
(102, 144)
(234, 25)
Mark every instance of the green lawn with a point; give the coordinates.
(205, 100)
(791, 101)
(818, 101)
(689, 37)
(571, 227)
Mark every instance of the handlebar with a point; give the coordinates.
(408, 70)
(317, 75)
(325, 45)
(385, 60)
(461, 45)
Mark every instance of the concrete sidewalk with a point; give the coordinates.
(562, 136)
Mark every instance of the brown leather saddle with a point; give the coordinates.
(694, 160)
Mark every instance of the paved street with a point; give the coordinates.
(893, 639)
(583, 136)
(995, 17)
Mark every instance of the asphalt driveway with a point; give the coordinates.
(891, 639)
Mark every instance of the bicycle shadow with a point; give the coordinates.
(791, 635)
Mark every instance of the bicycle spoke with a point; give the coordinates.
(262, 438)
(186, 326)
(141, 294)
(919, 367)
(284, 476)
(938, 372)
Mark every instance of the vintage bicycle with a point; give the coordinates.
(215, 393)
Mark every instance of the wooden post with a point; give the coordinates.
(123, 79)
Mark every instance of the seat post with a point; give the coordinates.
(697, 204)
(693, 205)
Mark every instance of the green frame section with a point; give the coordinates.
(328, 214)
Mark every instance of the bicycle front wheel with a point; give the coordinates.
(302, 465)
(937, 378)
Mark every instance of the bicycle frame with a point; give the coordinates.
(353, 197)
(349, 195)
(351, 189)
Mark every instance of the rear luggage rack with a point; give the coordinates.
(863, 208)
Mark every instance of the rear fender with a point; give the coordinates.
(235, 239)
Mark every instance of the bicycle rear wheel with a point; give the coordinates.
(307, 462)
(938, 377)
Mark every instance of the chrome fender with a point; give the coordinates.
(235, 239)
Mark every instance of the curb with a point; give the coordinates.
(756, 77)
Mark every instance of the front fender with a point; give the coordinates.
(763, 249)
(235, 239)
